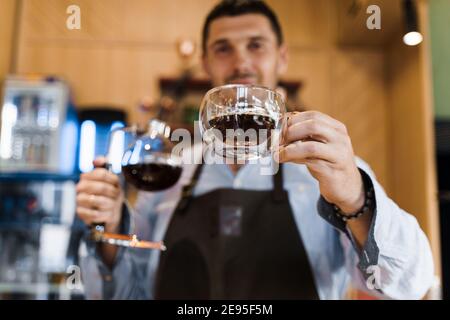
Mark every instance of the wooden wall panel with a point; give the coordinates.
(411, 134)
(312, 67)
(358, 98)
(306, 24)
(7, 14)
(352, 17)
(98, 75)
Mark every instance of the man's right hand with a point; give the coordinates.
(100, 197)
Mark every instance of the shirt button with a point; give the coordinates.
(237, 183)
(107, 278)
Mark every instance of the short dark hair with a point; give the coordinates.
(232, 8)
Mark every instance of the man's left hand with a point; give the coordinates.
(324, 146)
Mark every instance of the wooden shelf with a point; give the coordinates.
(203, 85)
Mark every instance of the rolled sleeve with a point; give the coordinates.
(396, 261)
(368, 255)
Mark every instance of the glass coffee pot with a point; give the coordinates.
(144, 157)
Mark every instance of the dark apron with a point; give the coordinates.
(234, 244)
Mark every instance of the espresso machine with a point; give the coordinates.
(38, 172)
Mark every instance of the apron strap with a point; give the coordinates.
(188, 189)
(278, 193)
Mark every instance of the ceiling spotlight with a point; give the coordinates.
(412, 38)
(412, 35)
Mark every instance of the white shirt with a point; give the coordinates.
(397, 258)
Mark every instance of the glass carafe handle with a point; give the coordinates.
(99, 227)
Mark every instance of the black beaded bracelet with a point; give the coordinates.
(368, 206)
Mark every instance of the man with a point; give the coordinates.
(322, 222)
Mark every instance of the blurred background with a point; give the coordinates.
(63, 90)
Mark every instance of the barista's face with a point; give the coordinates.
(244, 50)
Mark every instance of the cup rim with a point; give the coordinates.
(237, 85)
